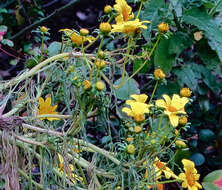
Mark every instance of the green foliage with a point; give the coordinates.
(213, 180)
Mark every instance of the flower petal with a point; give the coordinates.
(174, 119)
(139, 98)
(167, 99)
(161, 103)
(127, 111)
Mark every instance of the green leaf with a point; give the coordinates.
(178, 42)
(206, 135)
(204, 22)
(7, 42)
(186, 76)
(129, 87)
(152, 13)
(54, 48)
(138, 62)
(3, 10)
(208, 56)
(213, 181)
(204, 104)
(198, 159)
(162, 58)
(170, 88)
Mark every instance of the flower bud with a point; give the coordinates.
(129, 139)
(100, 85)
(100, 64)
(87, 84)
(180, 144)
(130, 149)
(185, 92)
(108, 9)
(44, 29)
(183, 120)
(163, 27)
(159, 74)
(101, 54)
(105, 27)
(84, 32)
(138, 129)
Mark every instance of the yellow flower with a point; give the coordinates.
(69, 170)
(137, 110)
(100, 64)
(173, 107)
(190, 176)
(129, 139)
(124, 11)
(46, 108)
(163, 27)
(159, 74)
(160, 167)
(76, 38)
(139, 97)
(129, 27)
(185, 92)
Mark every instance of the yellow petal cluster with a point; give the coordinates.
(124, 24)
(69, 170)
(46, 108)
(76, 38)
(173, 107)
(138, 107)
(124, 11)
(190, 176)
(129, 27)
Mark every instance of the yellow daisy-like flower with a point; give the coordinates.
(76, 38)
(124, 11)
(129, 27)
(160, 167)
(69, 170)
(137, 110)
(173, 107)
(190, 177)
(45, 107)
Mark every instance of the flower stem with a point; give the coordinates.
(154, 90)
(140, 8)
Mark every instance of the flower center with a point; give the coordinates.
(190, 178)
(160, 165)
(172, 109)
(139, 117)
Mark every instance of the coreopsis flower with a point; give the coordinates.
(173, 107)
(45, 107)
(137, 110)
(185, 92)
(163, 27)
(137, 129)
(190, 176)
(160, 167)
(76, 38)
(124, 11)
(138, 98)
(129, 27)
(100, 63)
(159, 74)
(69, 170)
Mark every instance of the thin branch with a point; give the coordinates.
(43, 20)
